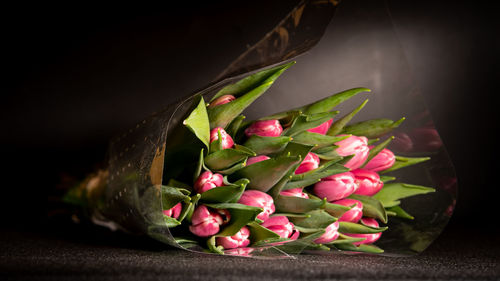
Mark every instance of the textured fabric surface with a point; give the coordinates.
(78, 253)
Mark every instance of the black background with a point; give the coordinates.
(75, 75)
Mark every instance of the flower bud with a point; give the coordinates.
(227, 141)
(295, 192)
(369, 238)
(264, 128)
(239, 240)
(221, 100)
(336, 187)
(174, 212)
(205, 222)
(354, 214)
(353, 145)
(281, 226)
(382, 161)
(207, 181)
(258, 199)
(331, 233)
(323, 128)
(402, 142)
(368, 182)
(311, 162)
(253, 160)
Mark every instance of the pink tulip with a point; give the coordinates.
(221, 100)
(295, 192)
(242, 252)
(281, 226)
(253, 160)
(323, 128)
(239, 240)
(311, 162)
(382, 161)
(354, 214)
(227, 141)
(331, 233)
(174, 212)
(205, 222)
(336, 187)
(369, 238)
(207, 181)
(368, 182)
(353, 145)
(258, 199)
(264, 128)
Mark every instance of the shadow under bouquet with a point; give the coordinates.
(201, 177)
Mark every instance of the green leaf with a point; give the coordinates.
(200, 166)
(225, 194)
(402, 162)
(318, 140)
(328, 153)
(170, 196)
(241, 215)
(171, 222)
(366, 248)
(371, 207)
(336, 210)
(305, 122)
(246, 92)
(316, 219)
(263, 175)
(350, 227)
(235, 125)
(260, 233)
(376, 150)
(267, 145)
(286, 118)
(212, 247)
(314, 176)
(197, 122)
(386, 179)
(332, 101)
(399, 212)
(391, 193)
(252, 81)
(344, 239)
(295, 149)
(372, 128)
(233, 169)
(188, 210)
(290, 204)
(223, 159)
(339, 125)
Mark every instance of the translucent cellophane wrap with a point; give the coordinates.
(360, 51)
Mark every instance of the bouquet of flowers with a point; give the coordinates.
(199, 176)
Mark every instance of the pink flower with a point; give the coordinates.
(354, 214)
(295, 192)
(331, 233)
(323, 128)
(281, 226)
(402, 142)
(264, 128)
(221, 100)
(336, 187)
(311, 162)
(382, 161)
(369, 238)
(368, 182)
(253, 160)
(353, 145)
(227, 141)
(258, 199)
(174, 212)
(239, 240)
(207, 181)
(205, 222)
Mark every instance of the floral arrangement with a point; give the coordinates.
(303, 179)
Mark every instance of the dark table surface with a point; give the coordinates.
(82, 253)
